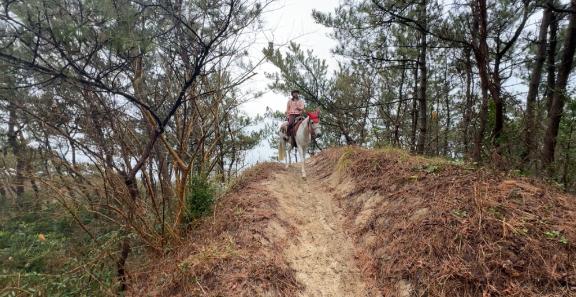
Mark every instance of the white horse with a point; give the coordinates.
(308, 129)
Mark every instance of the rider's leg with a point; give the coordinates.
(291, 119)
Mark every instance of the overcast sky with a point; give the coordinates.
(285, 21)
(291, 20)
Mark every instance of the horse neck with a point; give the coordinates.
(305, 127)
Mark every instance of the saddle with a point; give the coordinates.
(291, 135)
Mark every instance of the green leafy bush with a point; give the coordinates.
(199, 198)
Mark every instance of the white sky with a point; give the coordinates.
(285, 21)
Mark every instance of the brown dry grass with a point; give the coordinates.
(229, 253)
(427, 227)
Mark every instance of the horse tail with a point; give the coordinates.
(281, 149)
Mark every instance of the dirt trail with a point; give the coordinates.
(322, 254)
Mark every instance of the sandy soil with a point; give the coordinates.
(322, 254)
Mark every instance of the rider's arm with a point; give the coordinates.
(300, 106)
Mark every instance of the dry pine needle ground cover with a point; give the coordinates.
(428, 227)
(420, 227)
(230, 253)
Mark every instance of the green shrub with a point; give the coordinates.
(199, 198)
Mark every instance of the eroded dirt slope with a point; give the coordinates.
(321, 253)
(273, 234)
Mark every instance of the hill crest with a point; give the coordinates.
(407, 226)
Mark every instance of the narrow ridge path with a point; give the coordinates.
(322, 254)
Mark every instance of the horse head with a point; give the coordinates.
(315, 122)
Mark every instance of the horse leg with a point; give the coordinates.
(289, 150)
(281, 147)
(302, 151)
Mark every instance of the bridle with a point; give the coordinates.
(312, 132)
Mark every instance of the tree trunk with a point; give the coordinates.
(346, 134)
(396, 140)
(534, 83)
(558, 98)
(551, 61)
(448, 118)
(362, 137)
(434, 125)
(567, 160)
(16, 148)
(414, 112)
(219, 137)
(121, 266)
(467, 113)
(423, 81)
(499, 109)
(164, 179)
(496, 86)
(481, 55)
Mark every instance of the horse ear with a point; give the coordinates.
(318, 109)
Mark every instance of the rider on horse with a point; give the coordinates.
(294, 108)
(299, 132)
